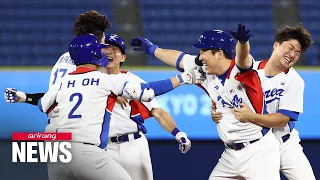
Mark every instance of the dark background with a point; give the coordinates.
(37, 32)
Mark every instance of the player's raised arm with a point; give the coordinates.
(243, 58)
(172, 58)
(147, 91)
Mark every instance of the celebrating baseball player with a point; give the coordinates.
(85, 100)
(250, 149)
(283, 89)
(126, 124)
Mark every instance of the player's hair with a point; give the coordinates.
(91, 22)
(298, 33)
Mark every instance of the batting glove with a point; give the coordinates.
(242, 34)
(144, 45)
(12, 95)
(191, 77)
(184, 142)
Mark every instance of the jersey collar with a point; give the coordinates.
(82, 70)
(263, 63)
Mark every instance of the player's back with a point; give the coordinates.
(63, 66)
(85, 101)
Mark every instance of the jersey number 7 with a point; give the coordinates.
(75, 107)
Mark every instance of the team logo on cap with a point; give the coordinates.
(113, 37)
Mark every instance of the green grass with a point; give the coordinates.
(143, 68)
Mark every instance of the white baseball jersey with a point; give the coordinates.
(283, 94)
(127, 120)
(85, 101)
(63, 66)
(131, 118)
(227, 93)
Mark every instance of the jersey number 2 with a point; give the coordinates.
(71, 115)
(63, 71)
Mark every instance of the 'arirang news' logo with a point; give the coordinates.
(41, 147)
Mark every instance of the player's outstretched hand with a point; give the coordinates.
(12, 95)
(242, 34)
(191, 77)
(184, 142)
(144, 45)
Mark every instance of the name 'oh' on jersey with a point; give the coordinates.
(127, 120)
(85, 99)
(228, 92)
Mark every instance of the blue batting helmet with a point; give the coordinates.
(217, 39)
(116, 40)
(86, 49)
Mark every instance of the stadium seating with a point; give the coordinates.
(37, 32)
(177, 24)
(310, 15)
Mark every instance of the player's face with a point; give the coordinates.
(114, 55)
(209, 60)
(287, 53)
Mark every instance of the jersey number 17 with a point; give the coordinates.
(63, 71)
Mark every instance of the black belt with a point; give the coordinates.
(285, 138)
(124, 138)
(239, 146)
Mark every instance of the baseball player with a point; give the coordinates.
(283, 89)
(126, 134)
(85, 99)
(126, 126)
(250, 149)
